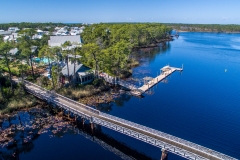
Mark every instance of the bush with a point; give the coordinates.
(97, 82)
(30, 78)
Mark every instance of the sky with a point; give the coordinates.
(96, 11)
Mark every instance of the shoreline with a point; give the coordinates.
(182, 31)
(152, 45)
(102, 96)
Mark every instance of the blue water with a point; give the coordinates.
(201, 104)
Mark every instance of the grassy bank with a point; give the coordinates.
(82, 91)
(13, 101)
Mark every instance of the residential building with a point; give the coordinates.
(59, 40)
(13, 29)
(82, 74)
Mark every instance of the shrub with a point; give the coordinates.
(97, 82)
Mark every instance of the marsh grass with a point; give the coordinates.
(17, 101)
(81, 91)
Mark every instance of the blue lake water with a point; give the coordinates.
(201, 104)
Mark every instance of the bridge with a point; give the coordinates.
(154, 137)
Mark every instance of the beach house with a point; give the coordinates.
(73, 72)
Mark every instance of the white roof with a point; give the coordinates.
(59, 40)
(39, 30)
(6, 38)
(13, 51)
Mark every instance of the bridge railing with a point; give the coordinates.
(167, 136)
(65, 98)
(57, 103)
(137, 126)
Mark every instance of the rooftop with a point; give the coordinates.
(80, 68)
(59, 40)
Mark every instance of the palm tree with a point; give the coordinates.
(56, 51)
(65, 53)
(75, 47)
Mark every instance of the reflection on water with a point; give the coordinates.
(147, 55)
(19, 132)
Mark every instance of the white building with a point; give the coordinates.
(13, 29)
(39, 34)
(59, 40)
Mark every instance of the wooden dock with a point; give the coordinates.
(165, 71)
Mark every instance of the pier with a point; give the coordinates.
(165, 72)
(138, 91)
(166, 142)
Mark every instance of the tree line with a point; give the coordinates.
(107, 47)
(205, 27)
(42, 26)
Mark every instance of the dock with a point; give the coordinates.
(165, 72)
(148, 81)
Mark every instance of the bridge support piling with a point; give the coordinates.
(164, 155)
(83, 120)
(92, 127)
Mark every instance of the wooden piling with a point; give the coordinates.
(164, 154)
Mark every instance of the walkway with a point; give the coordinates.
(166, 71)
(159, 139)
(135, 90)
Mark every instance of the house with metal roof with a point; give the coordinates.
(81, 74)
(13, 29)
(59, 40)
(5, 33)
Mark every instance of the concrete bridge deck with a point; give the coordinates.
(159, 139)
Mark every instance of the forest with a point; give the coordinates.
(107, 47)
(205, 27)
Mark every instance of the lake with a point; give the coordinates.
(201, 104)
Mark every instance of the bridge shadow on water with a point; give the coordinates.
(19, 132)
